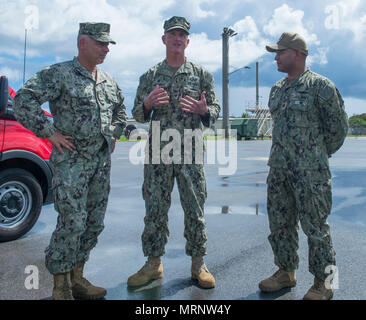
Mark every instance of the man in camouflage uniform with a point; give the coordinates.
(175, 94)
(88, 116)
(309, 125)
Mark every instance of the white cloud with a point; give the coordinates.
(320, 57)
(193, 9)
(351, 16)
(284, 19)
(246, 47)
(205, 51)
(12, 74)
(137, 26)
(247, 27)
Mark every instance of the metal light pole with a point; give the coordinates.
(227, 32)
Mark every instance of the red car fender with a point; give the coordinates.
(19, 138)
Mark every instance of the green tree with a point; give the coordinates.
(358, 120)
(245, 115)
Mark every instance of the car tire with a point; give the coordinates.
(21, 201)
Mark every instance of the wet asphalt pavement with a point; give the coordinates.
(238, 255)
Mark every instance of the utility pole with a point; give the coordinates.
(227, 33)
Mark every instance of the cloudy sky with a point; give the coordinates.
(334, 30)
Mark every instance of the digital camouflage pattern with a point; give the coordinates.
(309, 125)
(98, 31)
(157, 188)
(93, 113)
(190, 79)
(309, 122)
(81, 189)
(177, 23)
(300, 195)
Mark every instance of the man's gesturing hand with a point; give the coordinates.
(191, 105)
(156, 98)
(59, 141)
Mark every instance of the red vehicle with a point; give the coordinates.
(25, 171)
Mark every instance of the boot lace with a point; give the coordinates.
(277, 273)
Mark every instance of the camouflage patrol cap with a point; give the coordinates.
(289, 40)
(177, 23)
(96, 30)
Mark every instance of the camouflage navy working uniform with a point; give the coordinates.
(309, 125)
(93, 113)
(190, 79)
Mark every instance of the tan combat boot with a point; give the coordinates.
(318, 291)
(152, 270)
(201, 274)
(62, 287)
(279, 280)
(82, 288)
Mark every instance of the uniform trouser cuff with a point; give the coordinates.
(56, 267)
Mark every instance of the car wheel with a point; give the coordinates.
(21, 201)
